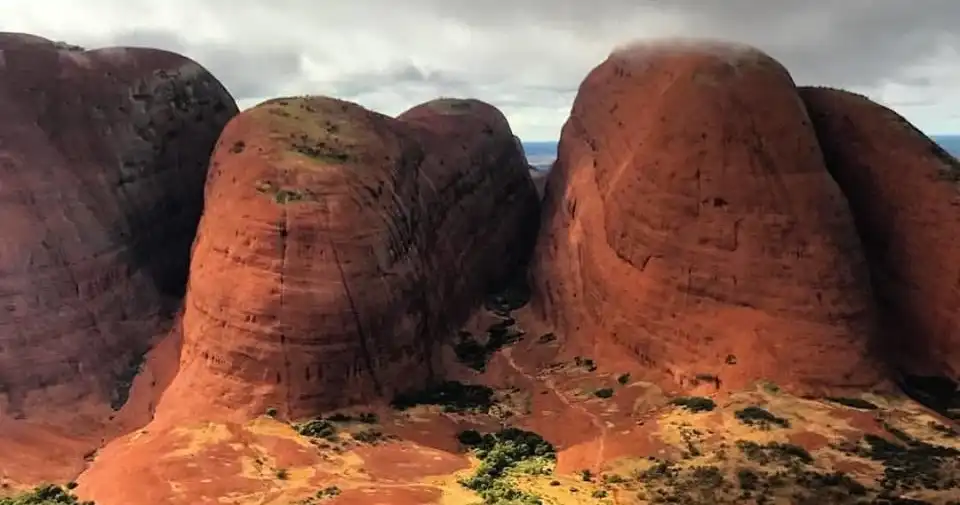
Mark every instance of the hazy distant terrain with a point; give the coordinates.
(542, 154)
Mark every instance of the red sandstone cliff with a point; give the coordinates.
(904, 195)
(102, 161)
(338, 246)
(690, 219)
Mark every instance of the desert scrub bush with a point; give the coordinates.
(123, 380)
(317, 428)
(362, 417)
(769, 387)
(623, 379)
(694, 403)
(370, 436)
(510, 298)
(761, 418)
(326, 493)
(282, 474)
(856, 403)
(603, 393)
(774, 452)
(508, 451)
(910, 463)
(587, 364)
(475, 355)
(271, 412)
(612, 478)
(44, 494)
(451, 396)
(546, 338)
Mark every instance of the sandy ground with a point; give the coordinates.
(418, 460)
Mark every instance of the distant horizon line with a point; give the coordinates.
(931, 135)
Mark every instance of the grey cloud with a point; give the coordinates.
(247, 70)
(402, 75)
(528, 56)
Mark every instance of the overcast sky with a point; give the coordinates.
(525, 56)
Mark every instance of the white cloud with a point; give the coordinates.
(525, 56)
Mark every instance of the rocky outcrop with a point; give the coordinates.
(690, 220)
(904, 194)
(103, 156)
(339, 246)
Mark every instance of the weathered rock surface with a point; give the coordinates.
(904, 194)
(339, 246)
(690, 219)
(103, 157)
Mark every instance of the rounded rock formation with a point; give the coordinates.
(339, 246)
(690, 219)
(103, 157)
(903, 192)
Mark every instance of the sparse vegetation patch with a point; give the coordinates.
(503, 454)
(326, 493)
(761, 418)
(694, 403)
(586, 363)
(475, 355)
(910, 463)
(856, 403)
(123, 380)
(603, 393)
(451, 396)
(45, 494)
(317, 428)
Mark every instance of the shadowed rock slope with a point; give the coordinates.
(904, 194)
(103, 157)
(690, 219)
(339, 246)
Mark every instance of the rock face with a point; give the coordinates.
(103, 156)
(339, 246)
(904, 194)
(690, 219)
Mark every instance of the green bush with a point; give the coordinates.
(694, 403)
(756, 416)
(453, 396)
(317, 428)
(45, 494)
(586, 363)
(856, 403)
(510, 449)
(603, 393)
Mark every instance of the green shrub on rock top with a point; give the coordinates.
(46, 494)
